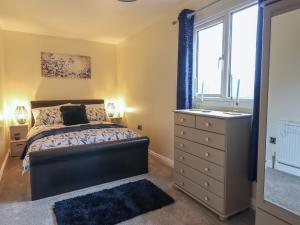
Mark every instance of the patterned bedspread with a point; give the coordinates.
(46, 137)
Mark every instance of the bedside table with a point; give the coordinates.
(17, 139)
(116, 120)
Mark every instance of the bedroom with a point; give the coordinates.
(137, 71)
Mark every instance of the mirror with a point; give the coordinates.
(282, 163)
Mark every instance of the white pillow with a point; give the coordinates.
(96, 112)
(47, 115)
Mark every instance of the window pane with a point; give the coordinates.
(210, 51)
(243, 51)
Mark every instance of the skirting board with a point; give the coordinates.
(166, 161)
(284, 168)
(3, 165)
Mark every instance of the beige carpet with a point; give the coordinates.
(283, 189)
(17, 209)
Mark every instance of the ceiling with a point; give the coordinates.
(107, 21)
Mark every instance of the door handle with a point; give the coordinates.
(220, 60)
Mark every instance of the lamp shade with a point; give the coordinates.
(111, 109)
(21, 114)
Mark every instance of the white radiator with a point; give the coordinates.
(288, 143)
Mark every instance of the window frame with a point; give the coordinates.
(214, 17)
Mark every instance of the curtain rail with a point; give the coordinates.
(202, 8)
(198, 10)
(268, 2)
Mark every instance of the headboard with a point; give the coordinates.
(47, 103)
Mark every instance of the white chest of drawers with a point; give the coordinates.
(211, 159)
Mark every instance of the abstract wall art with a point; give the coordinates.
(65, 66)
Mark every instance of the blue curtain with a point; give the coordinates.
(185, 60)
(252, 172)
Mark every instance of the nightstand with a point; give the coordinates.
(116, 120)
(17, 139)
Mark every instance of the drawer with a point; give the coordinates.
(18, 132)
(185, 120)
(211, 124)
(203, 137)
(201, 165)
(16, 148)
(205, 182)
(202, 151)
(198, 192)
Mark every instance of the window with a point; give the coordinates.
(225, 55)
(210, 45)
(243, 51)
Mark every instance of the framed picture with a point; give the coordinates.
(65, 66)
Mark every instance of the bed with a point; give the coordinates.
(58, 170)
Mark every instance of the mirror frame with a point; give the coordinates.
(270, 11)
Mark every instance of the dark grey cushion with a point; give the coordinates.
(74, 114)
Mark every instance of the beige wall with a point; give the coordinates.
(147, 80)
(2, 124)
(143, 69)
(147, 76)
(20, 73)
(23, 79)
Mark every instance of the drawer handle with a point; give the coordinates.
(182, 120)
(181, 170)
(206, 198)
(207, 124)
(181, 157)
(19, 144)
(207, 139)
(206, 154)
(206, 184)
(182, 132)
(206, 169)
(181, 145)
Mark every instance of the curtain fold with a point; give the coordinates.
(185, 60)
(252, 172)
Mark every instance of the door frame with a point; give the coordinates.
(270, 11)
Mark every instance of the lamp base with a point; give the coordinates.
(110, 114)
(21, 121)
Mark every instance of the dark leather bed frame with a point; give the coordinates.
(61, 170)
